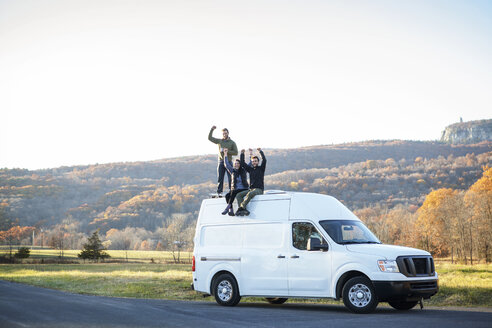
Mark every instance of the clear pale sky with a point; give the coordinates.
(85, 82)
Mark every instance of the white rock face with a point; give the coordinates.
(468, 132)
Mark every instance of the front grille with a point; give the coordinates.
(416, 266)
(420, 265)
(423, 285)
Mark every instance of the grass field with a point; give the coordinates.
(39, 253)
(460, 285)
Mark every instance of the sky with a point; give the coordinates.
(101, 81)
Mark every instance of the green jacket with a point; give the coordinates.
(224, 143)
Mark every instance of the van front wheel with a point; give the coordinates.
(225, 290)
(359, 295)
(276, 300)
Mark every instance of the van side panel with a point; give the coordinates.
(218, 248)
(221, 238)
(264, 259)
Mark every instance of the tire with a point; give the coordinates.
(402, 305)
(276, 300)
(225, 290)
(359, 295)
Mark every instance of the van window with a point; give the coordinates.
(301, 232)
(349, 232)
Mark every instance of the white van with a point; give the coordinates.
(304, 245)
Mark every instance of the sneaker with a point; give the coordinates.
(245, 212)
(240, 211)
(231, 212)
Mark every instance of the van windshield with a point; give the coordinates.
(349, 232)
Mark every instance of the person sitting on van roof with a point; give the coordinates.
(224, 143)
(256, 180)
(239, 183)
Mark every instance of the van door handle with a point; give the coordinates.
(281, 257)
(294, 257)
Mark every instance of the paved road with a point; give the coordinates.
(27, 306)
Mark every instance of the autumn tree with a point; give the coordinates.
(392, 226)
(178, 235)
(120, 239)
(57, 239)
(479, 199)
(434, 220)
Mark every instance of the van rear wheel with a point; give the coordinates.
(359, 295)
(276, 300)
(402, 305)
(225, 290)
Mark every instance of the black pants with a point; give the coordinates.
(221, 170)
(231, 195)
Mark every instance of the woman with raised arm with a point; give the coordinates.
(239, 182)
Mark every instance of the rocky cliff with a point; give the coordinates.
(468, 132)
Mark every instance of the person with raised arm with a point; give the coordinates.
(224, 143)
(239, 183)
(256, 181)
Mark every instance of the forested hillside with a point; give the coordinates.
(155, 196)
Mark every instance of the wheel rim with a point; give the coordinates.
(224, 290)
(359, 295)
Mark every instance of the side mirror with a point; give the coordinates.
(314, 244)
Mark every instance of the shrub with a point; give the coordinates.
(23, 253)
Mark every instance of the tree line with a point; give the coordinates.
(450, 223)
(65, 205)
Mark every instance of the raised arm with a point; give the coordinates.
(214, 140)
(263, 158)
(250, 155)
(228, 165)
(243, 163)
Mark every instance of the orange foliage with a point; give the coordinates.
(16, 233)
(479, 199)
(433, 218)
(111, 232)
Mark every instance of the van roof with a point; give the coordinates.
(278, 205)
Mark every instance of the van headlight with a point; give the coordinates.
(388, 266)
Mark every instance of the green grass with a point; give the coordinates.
(39, 253)
(464, 285)
(167, 281)
(460, 285)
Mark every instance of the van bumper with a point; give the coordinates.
(412, 290)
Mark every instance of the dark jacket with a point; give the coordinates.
(235, 173)
(256, 174)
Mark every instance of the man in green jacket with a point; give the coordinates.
(225, 142)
